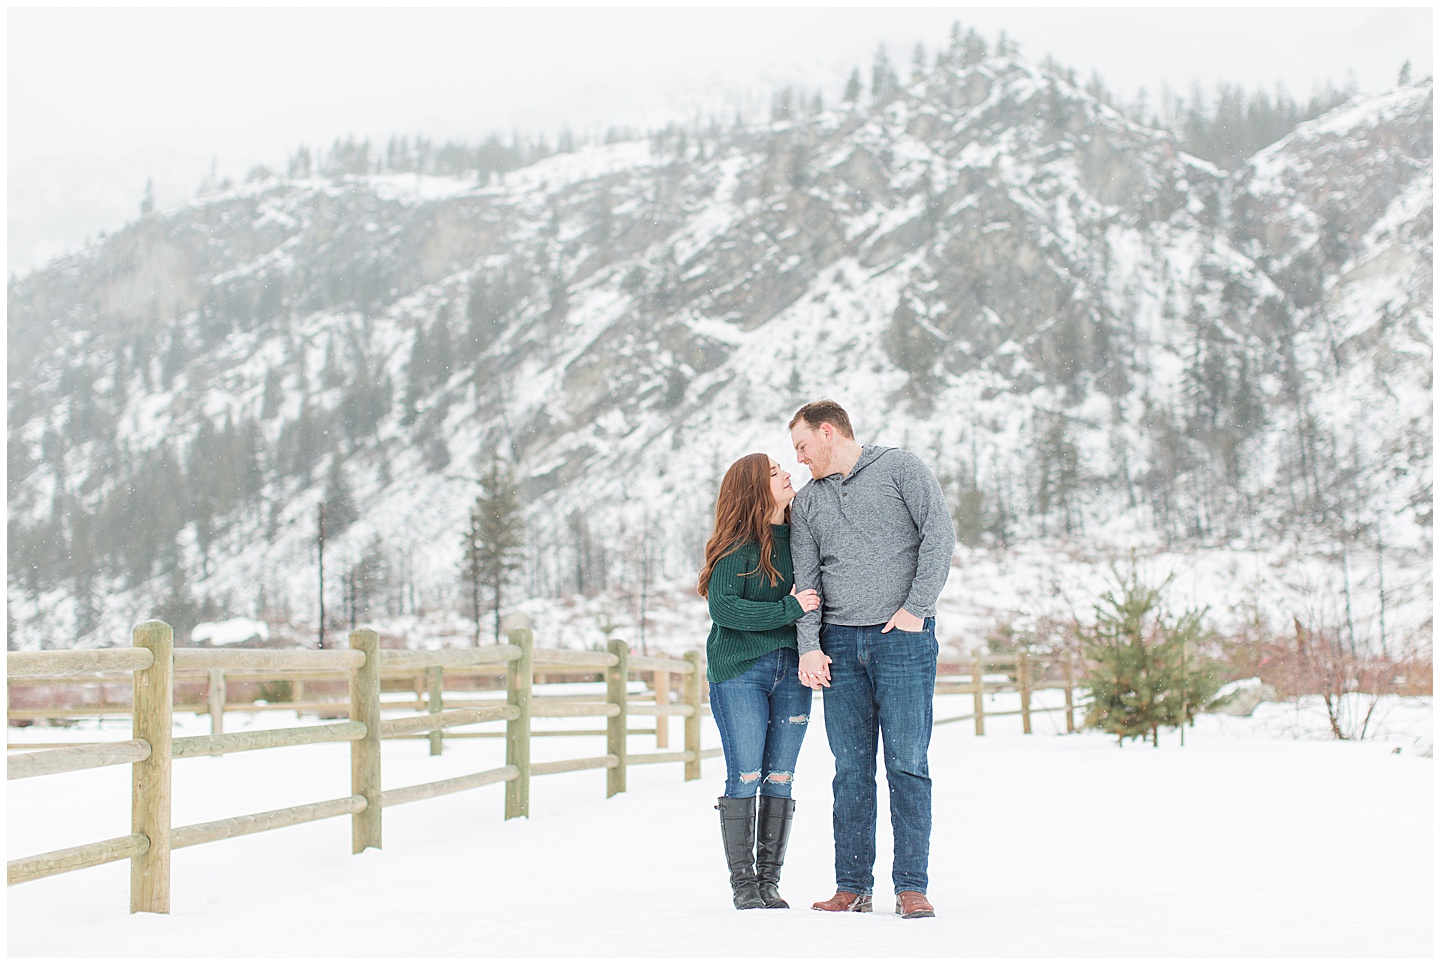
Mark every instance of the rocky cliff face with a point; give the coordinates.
(1083, 329)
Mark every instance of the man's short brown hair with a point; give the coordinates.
(824, 410)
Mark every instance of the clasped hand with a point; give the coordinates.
(815, 665)
(809, 599)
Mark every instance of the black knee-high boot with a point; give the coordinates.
(737, 831)
(772, 835)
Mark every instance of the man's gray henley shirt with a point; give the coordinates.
(871, 542)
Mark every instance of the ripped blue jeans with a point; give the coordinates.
(762, 715)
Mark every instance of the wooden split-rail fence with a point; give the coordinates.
(154, 662)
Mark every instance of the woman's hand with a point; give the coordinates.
(815, 669)
(809, 599)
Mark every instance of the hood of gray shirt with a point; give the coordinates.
(868, 454)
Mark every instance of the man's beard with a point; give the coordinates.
(820, 465)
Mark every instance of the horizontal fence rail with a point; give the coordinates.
(197, 658)
(259, 740)
(74, 859)
(82, 757)
(265, 821)
(348, 683)
(420, 792)
(61, 663)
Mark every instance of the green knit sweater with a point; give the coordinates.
(752, 618)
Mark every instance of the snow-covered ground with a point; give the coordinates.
(1243, 842)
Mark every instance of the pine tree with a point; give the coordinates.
(340, 509)
(852, 87)
(175, 359)
(440, 345)
(365, 582)
(1142, 670)
(883, 82)
(975, 49)
(917, 64)
(274, 395)
(495, 544)
(950, 54)
(83, 564)
(474, 579)
(416, 378)
(179, 608)
(1056, 462)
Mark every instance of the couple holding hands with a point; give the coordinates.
(833, 587)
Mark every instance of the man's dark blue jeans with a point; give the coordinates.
(762, 715)
(882, 691)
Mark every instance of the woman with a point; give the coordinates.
(758, 702)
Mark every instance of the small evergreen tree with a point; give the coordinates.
(1142, 670)
(852, 87)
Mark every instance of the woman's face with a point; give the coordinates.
(780, 487)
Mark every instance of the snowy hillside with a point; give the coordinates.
(1096, 340)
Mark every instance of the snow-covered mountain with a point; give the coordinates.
(1086, 332)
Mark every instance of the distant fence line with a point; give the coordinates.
(430, 674)
(154, 664)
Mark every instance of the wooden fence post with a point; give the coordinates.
(617, 685)
(365, 752)
(692, 723)
(437, 705)
(977, 684)
(1069, 697)
(520, 679)
(217, 703)
(152, 707)
(662, 698)
(1022, 678)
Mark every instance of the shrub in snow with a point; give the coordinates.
(1142, 668)
(277, 692)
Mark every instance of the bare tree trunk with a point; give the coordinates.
(499, 579)
(320, 540)
(1345, 569)
(1380, 573)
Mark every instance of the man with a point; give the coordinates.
(872, 533)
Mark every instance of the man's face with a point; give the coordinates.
(813, 447)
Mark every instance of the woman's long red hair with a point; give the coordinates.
(742, 515)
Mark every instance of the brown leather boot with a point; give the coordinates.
(913, 904)
(844, 901)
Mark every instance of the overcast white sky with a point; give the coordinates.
(99, 94)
